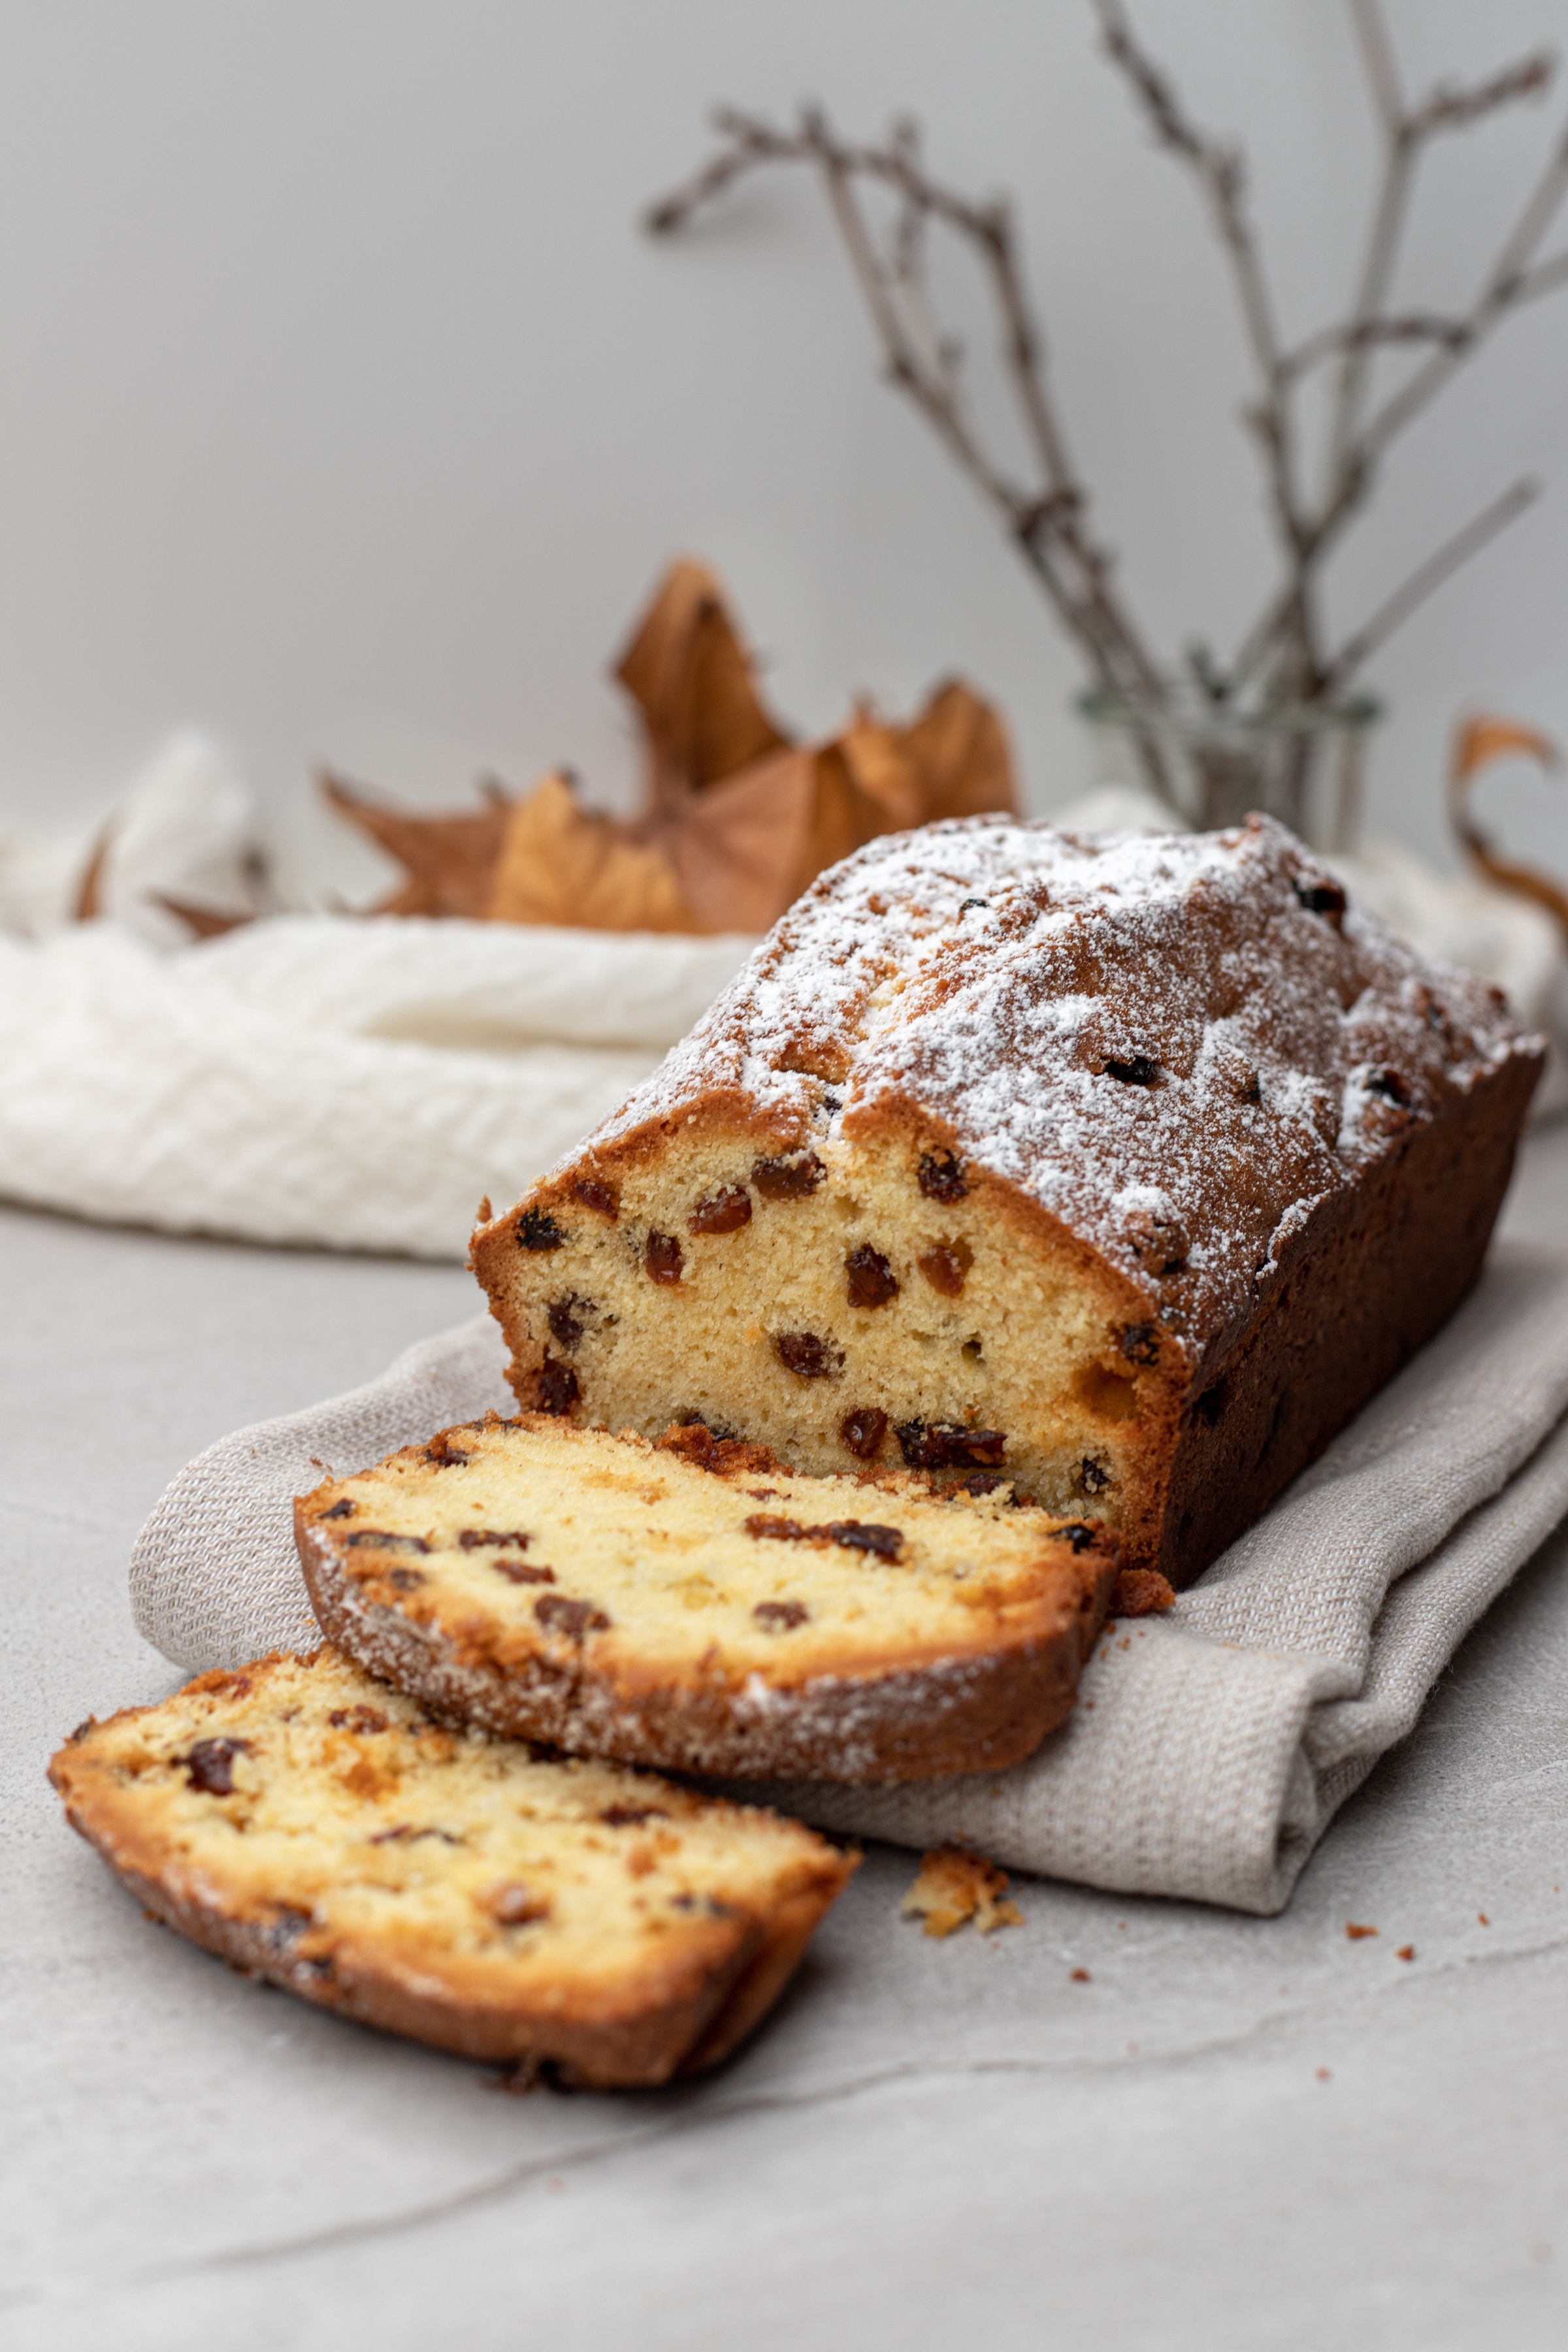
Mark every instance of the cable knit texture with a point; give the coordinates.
(339, 1082)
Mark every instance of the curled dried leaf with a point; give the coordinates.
(1478, 743)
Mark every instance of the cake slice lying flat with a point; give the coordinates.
(696, 1605)
(304, 1821)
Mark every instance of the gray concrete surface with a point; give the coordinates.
(1237, 2133)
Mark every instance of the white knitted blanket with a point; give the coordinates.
(318, 1079)
(1211, 1748)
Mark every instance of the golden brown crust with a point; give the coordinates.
(972, 1689)
(761, 1981)
(682, 2000)
(1362, 1287)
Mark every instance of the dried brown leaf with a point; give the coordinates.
(90, 890)
(205, 921)
(449, 858)
(736, 820)
(562, 863)
(738, 846)
(690, 678)
(960, 746)
(1477, 743)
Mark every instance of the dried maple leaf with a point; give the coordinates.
(738, 846)
(449, 859)
(744, 848)
(1477, 743)
(736, 819)
(954, 1886)
(207, 922)
(561, 863)
(959, 745)
(693, 682)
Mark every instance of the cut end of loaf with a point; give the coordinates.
(867, 1304)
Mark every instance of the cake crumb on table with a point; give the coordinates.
(1406, 1952)
(954, 1886)
(1355, 1931)
(1142, 1593)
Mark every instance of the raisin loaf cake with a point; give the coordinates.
(310, 1825)
(696, 1605)
(1125, 1168)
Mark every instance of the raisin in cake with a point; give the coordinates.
(310, 1825)
(1127, 1168)
(697, 1605)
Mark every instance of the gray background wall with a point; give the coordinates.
(344, 411)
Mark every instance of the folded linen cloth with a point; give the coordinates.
(1210, 1748)
(346, 1081)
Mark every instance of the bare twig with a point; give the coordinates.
(1448, 108)
(1044, 509)
(1506, 287)
(1406, 131)
(1047, 521)
(1382, 68)
(1369, 335)
(1426, 579)
(1387, 220)
(1222, 175)
(1514, 279)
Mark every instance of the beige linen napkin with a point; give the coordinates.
(1210, 1748)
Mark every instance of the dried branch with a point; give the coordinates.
(1406, 131)
(1047, 521)
(1426, 579)
(1282, 659)
(1388, 222)
(1515, 279)
(1382, 68)
(1221, 171)
(1455, 109)
(1508, 285)
(1366, 334)
(1222, 175)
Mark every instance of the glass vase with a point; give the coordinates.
(1213, 767)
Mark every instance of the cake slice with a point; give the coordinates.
(697, 1605)
(308, 1824)
(1126, 1170)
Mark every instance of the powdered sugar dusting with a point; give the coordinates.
(1178, 1044)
